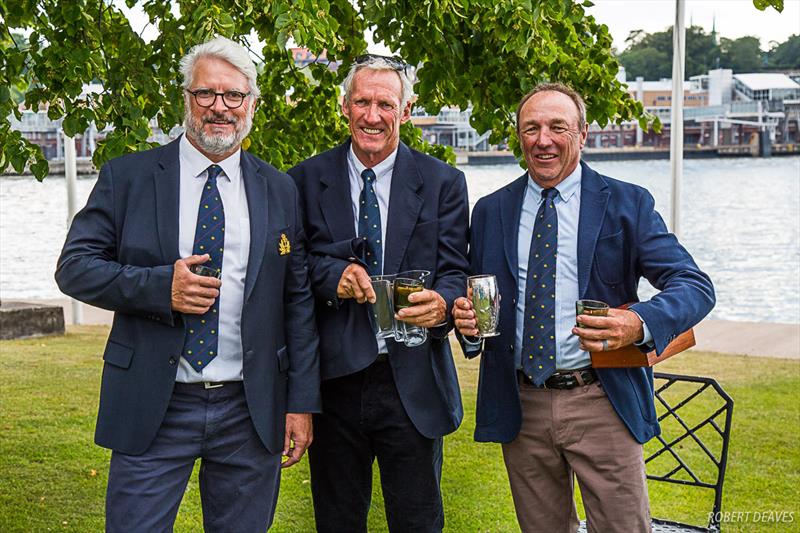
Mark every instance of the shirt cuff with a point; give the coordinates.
(647, 339)
(472, 341)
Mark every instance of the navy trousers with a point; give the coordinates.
(364, 419)
(239, 478)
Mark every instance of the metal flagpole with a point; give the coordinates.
(71, 175)
(676, 121)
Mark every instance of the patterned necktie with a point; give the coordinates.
(539, 334)
(369, 223)
(202, 333)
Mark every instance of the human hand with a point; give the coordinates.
(193, 294)
(428, 309)
(601, 333)
(298, 437)
(464, 316)
(355, 283)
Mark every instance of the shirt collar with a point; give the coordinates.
(381, 169)
(566, 189)
(197, 163)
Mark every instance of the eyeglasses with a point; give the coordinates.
(395, 62)
(207, 98)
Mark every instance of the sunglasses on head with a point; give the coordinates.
(393, 61)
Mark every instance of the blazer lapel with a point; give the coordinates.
(404, 206)
(166, 180)
(510, 210)
(256, 189)
(335, 200)
(594, 199)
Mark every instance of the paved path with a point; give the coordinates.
(748, 338)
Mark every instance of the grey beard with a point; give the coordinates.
(217, 144)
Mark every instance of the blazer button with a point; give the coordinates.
(172, 360)
(330, 303)
(510, 347)
(514, 301)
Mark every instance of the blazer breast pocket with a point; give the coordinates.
(280, 243)
(609, 260)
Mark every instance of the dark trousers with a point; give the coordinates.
(363, 419)
(239, 478)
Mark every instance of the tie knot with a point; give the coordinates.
(214, 171)
(549, 194)
(368, 175)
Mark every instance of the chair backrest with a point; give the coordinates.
(694, 411)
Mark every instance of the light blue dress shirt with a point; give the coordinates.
(383, 187)
(568, 206)
(569, 356)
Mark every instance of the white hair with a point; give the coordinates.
(224, 49)
(380, 63)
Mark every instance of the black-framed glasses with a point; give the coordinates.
(395, 62)
(207, 97)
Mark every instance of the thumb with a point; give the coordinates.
(287, 441)
(196, 259)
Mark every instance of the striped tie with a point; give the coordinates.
(202, 331)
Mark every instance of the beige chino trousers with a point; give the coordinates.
(576, 431)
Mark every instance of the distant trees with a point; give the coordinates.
(650, 54)
(786, 55)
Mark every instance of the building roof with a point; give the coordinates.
(660, 85)
(764, 81)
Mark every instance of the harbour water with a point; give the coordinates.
(740, 219)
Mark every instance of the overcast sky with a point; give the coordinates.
(734, 18)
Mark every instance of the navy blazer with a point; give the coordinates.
(621, 238)
(426, 229)
(119, 255)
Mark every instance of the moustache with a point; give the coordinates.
(219, 118)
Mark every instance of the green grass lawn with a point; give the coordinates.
(52, 476)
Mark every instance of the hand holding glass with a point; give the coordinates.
(411, 335)
(591, 308)
(485, 300)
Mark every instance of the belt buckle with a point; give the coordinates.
(212, 384)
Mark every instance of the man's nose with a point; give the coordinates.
(219, 105)
(545, 137)
(373, 113)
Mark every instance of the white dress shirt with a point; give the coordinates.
(383, 187)
(227, 365)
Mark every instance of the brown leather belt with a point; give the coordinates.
(564, 379)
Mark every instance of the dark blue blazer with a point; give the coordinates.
(119, 255)
(427, 229)
(621, 238)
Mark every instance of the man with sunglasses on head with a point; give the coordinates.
(198, 248)
(374, 206)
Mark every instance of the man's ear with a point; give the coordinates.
(345, 110)
(406, 116)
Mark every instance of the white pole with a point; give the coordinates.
(676, 123)
(71, 175)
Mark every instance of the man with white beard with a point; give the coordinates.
(198, 248)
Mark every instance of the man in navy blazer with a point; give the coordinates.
(225, 370)
(380, 398)
(538, 395)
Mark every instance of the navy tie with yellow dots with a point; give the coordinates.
(202, 331)
(539, 334)
(369, 223)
